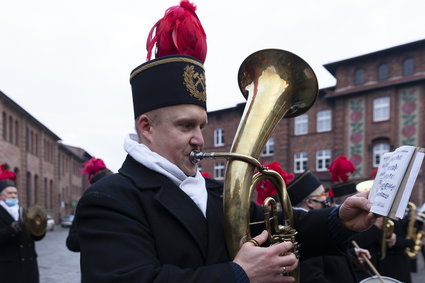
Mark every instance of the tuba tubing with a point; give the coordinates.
(277, 84)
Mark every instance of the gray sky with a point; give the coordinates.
(68, 62)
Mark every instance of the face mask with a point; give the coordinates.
(11, 202)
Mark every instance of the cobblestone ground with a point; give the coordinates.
(57, 264)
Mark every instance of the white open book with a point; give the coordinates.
(394, 181)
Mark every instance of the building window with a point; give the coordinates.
(383, 72)
(378, 150)
(268, 148)
(219, 170)
(323, 159)
(17, 133)
(300, 162)
(4, 126)
(381, 109)
(10, 129)
(324, 121)
(408, 67)
(218, 137)
(359, 77)
(301, 125)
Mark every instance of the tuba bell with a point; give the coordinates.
(277, 84)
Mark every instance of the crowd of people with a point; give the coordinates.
(159, 219)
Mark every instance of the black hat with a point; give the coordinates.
(167, 81)
(177, 74)
(96, 177)
(6, 183)
(343, 189)
(302, 186)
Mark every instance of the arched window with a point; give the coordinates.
(383, 72)
(359, 77)
(408, 67)
(378, 150)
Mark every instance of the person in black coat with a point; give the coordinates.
(158, 219)
(307, 193)
(18, 258)
(95, 169)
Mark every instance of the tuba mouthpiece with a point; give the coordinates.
(196, 156)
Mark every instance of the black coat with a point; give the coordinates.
(138, 226)
(18, 258)
(327, 269)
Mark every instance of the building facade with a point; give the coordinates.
(376, 106)
(48, 172)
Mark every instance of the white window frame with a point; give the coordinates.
(324, 121)
(268, 148)
(378, 150)
(300, 162)
(218, 137)
(381, 109)
(219, 170)
(323, 160)
(301, 125)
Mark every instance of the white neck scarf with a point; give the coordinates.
(194, 187)
(13, 210)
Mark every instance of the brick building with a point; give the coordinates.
(48, 171)
(376, 106)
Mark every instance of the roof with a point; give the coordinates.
(31, 118)
(331, 67)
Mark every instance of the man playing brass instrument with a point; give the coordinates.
(18, 258)
(158, 219)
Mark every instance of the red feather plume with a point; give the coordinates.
(340, 169)
(178, 32)
(373, 173)
(93, 166)
(5, 174)
(206, 174)
(265, 188)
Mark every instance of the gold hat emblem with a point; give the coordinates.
(194, 82)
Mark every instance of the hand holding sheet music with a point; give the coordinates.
(394, 181)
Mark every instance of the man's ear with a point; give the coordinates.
(144, 127)
(309, 203)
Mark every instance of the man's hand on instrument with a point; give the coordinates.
(354, 213)
(267, 264)
(392, 240)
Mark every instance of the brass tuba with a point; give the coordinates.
(276, 84)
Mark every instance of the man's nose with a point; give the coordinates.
(197, 138)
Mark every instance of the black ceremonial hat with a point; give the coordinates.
(302, 186)
(343, 189)
(168, 81)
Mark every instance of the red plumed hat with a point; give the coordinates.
(7, 178)
(93, 166)
(6, 174)
(265, 188)
(178, 32)
(340, 169)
